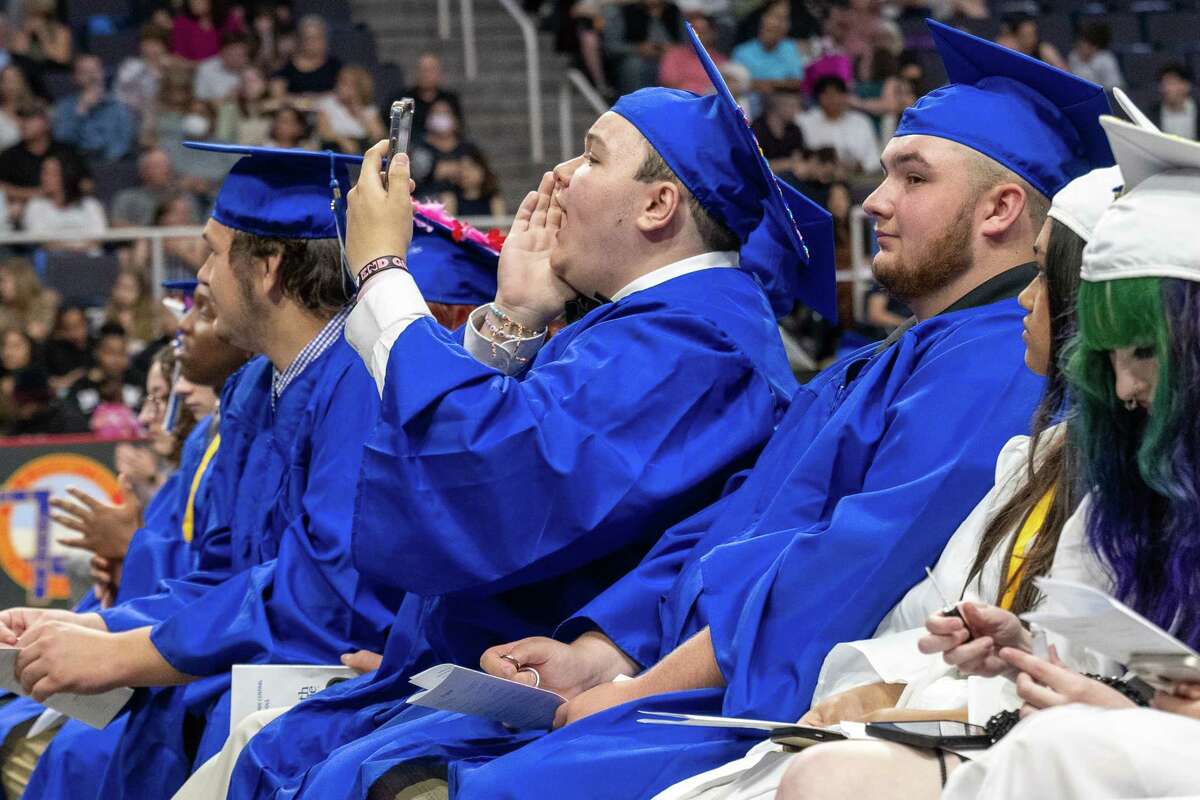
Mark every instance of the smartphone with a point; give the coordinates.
(399, 130)
(798, 737)
(932, 734)
(1164, 671)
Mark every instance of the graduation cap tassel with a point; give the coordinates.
(335, 194)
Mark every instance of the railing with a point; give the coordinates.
(566, 122)
(156, 236)
(533, 76)
(466, 10)
(859, 272)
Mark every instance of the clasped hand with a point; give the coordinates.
(59, 650)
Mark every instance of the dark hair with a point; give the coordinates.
(154, 31)
(1097, 34)
(111, 329)
(1176, 68)
(491, 183)
(310, 270)
(713, 233)
(1050, 466)
(884, 64)
(72, 178)
(232, 37)
(306, 126)
(824, 83)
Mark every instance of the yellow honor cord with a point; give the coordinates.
(189, 512)
(1033, 524)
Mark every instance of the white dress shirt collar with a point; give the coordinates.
(708, 260)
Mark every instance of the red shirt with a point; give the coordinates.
(680, 69)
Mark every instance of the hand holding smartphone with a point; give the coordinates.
(399, 131)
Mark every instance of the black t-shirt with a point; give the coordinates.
(63, 357)
(783, 146)
(20, 167)
(424, 159)
(321, 79)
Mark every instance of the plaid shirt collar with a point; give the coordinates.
(311, 352)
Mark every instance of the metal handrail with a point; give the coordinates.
(533, 71)
(466, 10)
(859, 272)
(443, 19)
(566, 122)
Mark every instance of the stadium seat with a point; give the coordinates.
(1058, 31)
(336, 11)
(1126, 28)
(114, 177)
(389, 82)
(1141, 66)
(58, 84)
(353, 45)
(81, 279)
(114, 48)
(1174, 29)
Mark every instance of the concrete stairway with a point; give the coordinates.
(495, 103)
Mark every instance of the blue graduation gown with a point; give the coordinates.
(503, 504)
(876, 463)
(294, 595)
(158, 551)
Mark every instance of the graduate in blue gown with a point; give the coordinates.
(545, 487)
(290, 593)
(876, 463)
(78, 753)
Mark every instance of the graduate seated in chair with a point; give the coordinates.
(132, 556)
(1131, 366)
(1008, 540)
(512, 478)
(875, 464)
(280, 588)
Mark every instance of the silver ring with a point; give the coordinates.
(512, 661)
(537, 676)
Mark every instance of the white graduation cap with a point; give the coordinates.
(1150, 231)
(1080, 204)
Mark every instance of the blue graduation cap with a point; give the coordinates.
(770, 259)
(185, 287)
(1037, 120)
(449, 269)
(282, 193)
(707, 142)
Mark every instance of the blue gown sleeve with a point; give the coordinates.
(776, 604)
(516, 474)
(308, 603)
(628, 611)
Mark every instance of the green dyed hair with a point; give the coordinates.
(1111, 315)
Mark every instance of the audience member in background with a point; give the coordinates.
(14, 94)
(36, 410)
(274, 35)
(183, 254)
(182, 117)
(109, 380)
(882, 313)
(425, 92)
(435, 157)
(779, 137)
(857, 27)
(17, 352)
(197, 29)
(69, 350)
(132, 306)
(217, 78)
(311, 69)
(289, 128)
(1020, 33)
(1091, 59)
(138, 205)
(94, 120)
(245, 117)
(43, 40)
(833, 123)
(476, 193)
(24, 302)
(879, 80)
(903, 95)
(775, 61)
(139, 76)
(347, 119)
(21, 164)
(1176, 112)
(62, 207)
(680, 69)
(145, 466)
(636, 35)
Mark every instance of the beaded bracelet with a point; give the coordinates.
(379, 265)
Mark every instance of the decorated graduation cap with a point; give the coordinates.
(1080, 204)
(282, 193)
(707, 142)
(451, 262)
(769, 258)
(1037, 120)
(179, 296)
(1150, 230)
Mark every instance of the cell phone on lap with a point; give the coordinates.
(798, 737)
(937, 734)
